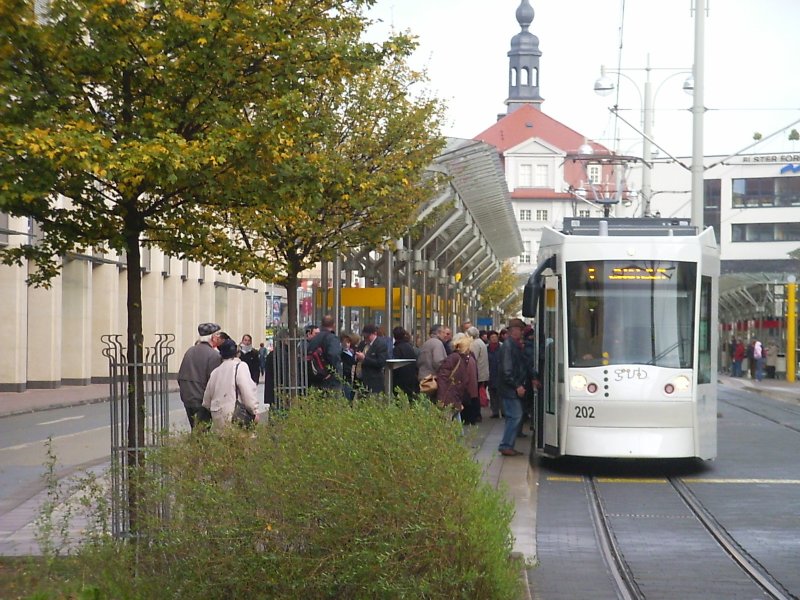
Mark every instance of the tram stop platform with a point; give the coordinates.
(779, 389)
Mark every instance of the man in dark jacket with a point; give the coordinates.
(374, 361)
(513, 376)
(195, 370)
(493, 351)
(332, 348)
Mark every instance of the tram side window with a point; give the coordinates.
(704, 338)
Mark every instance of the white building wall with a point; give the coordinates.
(53, 336)
(76, 332)
(43, 336)
(672, 183)
(14, 313)
(105, 312)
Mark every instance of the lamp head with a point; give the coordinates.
(688, 85)
(603, 86)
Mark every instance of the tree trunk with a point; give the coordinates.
(136, 404)
(291, 299)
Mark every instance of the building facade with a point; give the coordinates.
(752, 201)
(547, 178)
(54, 334)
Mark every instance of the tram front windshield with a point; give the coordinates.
(631, 312)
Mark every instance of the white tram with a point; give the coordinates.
(626, 313)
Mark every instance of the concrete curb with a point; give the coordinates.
(65, 404)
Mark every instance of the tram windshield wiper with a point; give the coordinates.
(663, 353)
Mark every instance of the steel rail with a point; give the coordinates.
(746, 562)
(620, 573)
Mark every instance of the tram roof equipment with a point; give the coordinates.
(627, 226)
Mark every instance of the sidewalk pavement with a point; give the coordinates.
(17, 403)
(778, 389)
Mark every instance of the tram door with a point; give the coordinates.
(547, 409)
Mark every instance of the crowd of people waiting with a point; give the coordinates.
(758, 359)
(472, 369)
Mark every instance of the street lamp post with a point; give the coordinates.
(604, 86)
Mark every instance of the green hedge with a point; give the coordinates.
(375, 500)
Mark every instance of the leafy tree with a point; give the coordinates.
(346, 172)
(794, 135)
(120, 120)
(501, 287)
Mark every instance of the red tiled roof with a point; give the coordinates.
(528, 122)
(539, 194)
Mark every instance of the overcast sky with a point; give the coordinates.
(752, 53)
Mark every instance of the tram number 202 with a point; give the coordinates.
(584, 412)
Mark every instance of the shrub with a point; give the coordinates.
(374, 500)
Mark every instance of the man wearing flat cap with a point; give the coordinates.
(195, 370)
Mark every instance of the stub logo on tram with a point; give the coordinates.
(637, 373)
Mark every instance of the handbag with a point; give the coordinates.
(483, 395)
(241, 416)
(428, 385)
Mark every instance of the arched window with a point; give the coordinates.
(535, 77)
(513, 77)
(525, 76)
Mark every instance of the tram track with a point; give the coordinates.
(623, 574)
(791, 411)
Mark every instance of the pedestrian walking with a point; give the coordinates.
(348, 365)
(751, 358)
(513, 375)
(432, 352)
(478, 349)
(739, 354)
(249, 356)
(198, 363)
(373, 361)
(758, 357)
(405, 377)
(770, 359)
(493, 353)
(327, 339)
(457, 376)
(262, 358)
(229, 382)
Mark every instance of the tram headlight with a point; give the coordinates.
(680, 384)
(578, 382)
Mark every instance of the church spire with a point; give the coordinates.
(523, 72)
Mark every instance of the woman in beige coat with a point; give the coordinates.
(220, 394)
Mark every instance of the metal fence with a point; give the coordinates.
(287, 372)
(139, 400)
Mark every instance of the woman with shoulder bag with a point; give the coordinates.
(457, 376)
(228, 385)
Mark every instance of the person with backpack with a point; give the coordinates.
(326, 350)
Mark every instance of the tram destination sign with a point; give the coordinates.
(632, 273)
